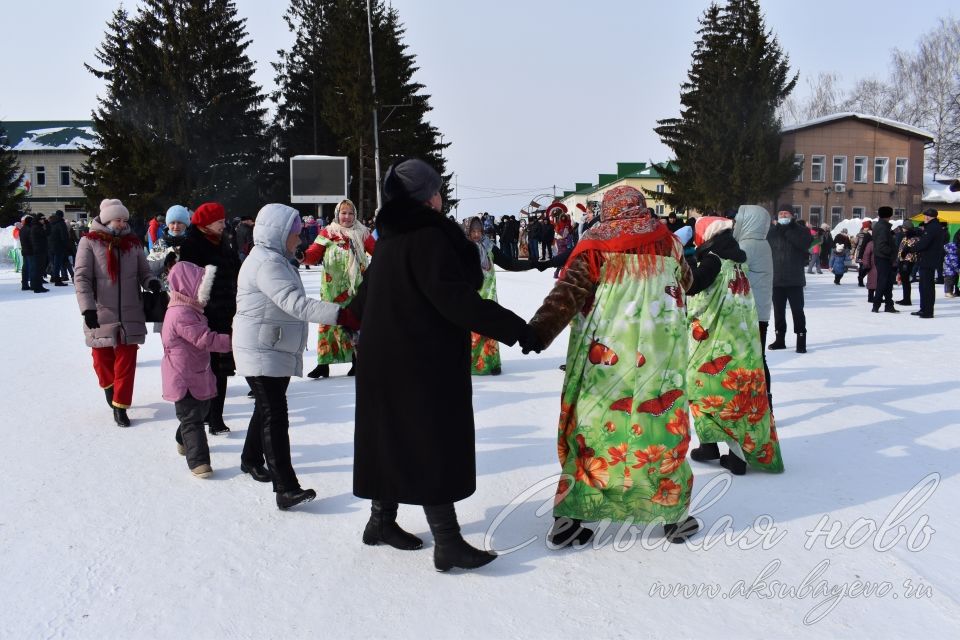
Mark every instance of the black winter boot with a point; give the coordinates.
(287, 499)
(257, 471)
(321, 371)
(734, 464)
(889, 308)
(215, 416)
(450, 549)
(353, 366)
(108, 392)
(778, 342)
(801, 343)
(567, 532)
(120, 417)
(705, 452)
(383, 528)
(679, 532)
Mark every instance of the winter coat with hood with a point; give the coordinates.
(273, 310)
(750, 231)
(108, 274)
(187, 338)
(790, 247)
(419, 301)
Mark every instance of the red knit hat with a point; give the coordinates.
(208, 213)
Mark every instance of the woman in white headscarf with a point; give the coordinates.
(343, 246)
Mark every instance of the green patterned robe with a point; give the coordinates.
(726, 385)
(624, 421)
(485, 352)
(335, 345)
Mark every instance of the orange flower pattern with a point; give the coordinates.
(731, 402)
(334, 343)
(484, 351)
(622, 457)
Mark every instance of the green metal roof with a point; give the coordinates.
(40, 135)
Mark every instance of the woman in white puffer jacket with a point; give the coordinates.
(750, 231)
(269, 336)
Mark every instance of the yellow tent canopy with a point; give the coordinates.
(950, 217)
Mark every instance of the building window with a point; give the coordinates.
(836, 215)
(901, 171)
(817, 164)
(858, 212)
(798, 163)
(899, 214)
(860, 169)
(839, 168)
(815, 214)
(659, 188)
(659, 209)
(64, 176)
(41, 172)
(797, 211)
(880, 170)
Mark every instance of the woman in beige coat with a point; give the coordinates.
(109, 271)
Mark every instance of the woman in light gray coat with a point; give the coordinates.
(269, 336)
(110, 268)
(750, 231)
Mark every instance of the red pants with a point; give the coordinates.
(115, 367)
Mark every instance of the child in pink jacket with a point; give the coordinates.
(188, 381)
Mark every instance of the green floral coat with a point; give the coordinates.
(726, 385)
(624, 425)
(334, 344)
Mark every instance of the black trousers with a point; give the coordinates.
(861, 274)
(928, 290)
(885, 277)
(215, 413)
(906, 271)
(190, 413)
(38, 267)
(268, 440)
(793, 295)
(763, 351)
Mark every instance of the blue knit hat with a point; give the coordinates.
(178, 213)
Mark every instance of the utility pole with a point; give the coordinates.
(376, 126)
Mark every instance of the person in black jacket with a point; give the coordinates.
(547, 234)
(26, 250)
(929, 250)
(39, 248)
(59, 248)
(414, 439)
(207, 242)
(884, 255)
(789, 244)
(534, 231)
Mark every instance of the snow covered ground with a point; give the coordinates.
(104, 533)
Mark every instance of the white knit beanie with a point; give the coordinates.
(111, 210)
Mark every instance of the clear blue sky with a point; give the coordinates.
(532, 93)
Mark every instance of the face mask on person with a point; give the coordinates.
(784, 220)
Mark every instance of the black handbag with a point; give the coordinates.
(155, 305)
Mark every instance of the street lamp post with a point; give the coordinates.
(826, 202)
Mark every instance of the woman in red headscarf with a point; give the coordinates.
(624, 427)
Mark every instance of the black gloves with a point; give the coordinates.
(154, 286)
(90, 319)
(529, 341)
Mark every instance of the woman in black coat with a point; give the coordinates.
(419, 301)
(208, 241)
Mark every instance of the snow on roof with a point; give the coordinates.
(939, 190)
(893, 124)
(50, 135)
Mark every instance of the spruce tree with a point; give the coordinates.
(726, 142)
(12, 195)
(325, 99)
(181, 121)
